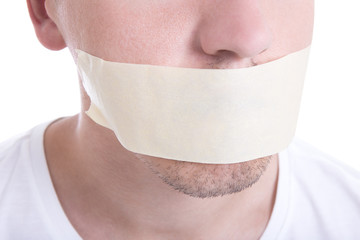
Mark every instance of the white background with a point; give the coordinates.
(38, 85)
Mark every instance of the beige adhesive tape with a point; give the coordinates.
(217, 116)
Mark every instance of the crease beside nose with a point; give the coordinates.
(238, 27)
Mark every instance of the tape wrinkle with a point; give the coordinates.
(95, 114)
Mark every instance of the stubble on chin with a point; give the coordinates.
(207, 180)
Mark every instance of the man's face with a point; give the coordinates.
(189, 33)
(186, 33)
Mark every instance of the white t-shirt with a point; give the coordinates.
(317, 197)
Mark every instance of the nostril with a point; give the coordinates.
(225, 59)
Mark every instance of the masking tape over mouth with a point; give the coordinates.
(217, 116)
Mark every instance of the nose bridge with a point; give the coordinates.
(236, 26)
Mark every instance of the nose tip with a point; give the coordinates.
(235, 26)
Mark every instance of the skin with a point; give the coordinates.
(108, 192)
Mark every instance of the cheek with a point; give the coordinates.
(134, 32)
(291, 23)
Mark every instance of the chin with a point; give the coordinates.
(207, 180)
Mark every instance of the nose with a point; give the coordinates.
(234, 26)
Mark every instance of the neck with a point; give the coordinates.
(107, 191)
